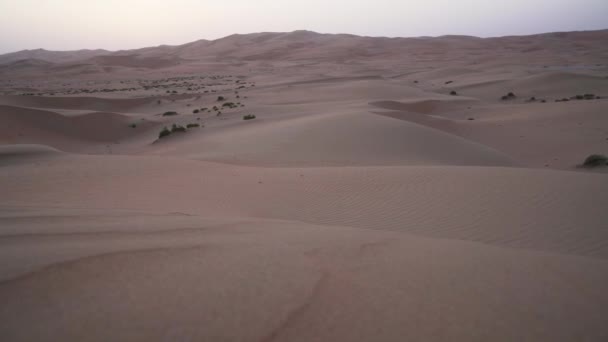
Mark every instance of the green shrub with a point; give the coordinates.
(249, 117)
(169, 113)
(453, 93)
(595, 160)
(133, 125)
(165, 132)
(221, 98)
(176, 128)
(193, 125)
(196, 111)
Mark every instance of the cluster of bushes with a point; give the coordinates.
(509, 96)
(165, 132)
(177, 128)
(585, 97)
(595, 160)
(579, 98)
(249, 117)
(534, 99)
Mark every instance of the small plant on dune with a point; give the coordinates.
(169, 113)
(196, 111)
(509, 96)
(176, 128)
(193, 125)
(453, 93)
(249, 117)
(133, 125)
(595, 160)
(164, 133)
(221, 98)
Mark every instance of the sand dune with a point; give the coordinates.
(81, 102)
(504, 206)
(312, 283)
(34, 126)
(347, 138)
(364, 202)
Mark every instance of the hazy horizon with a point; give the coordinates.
(116, 25)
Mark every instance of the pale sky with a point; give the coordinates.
(128, 24)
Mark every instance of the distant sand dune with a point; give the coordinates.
(25, 125)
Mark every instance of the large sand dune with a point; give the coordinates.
(365, 202)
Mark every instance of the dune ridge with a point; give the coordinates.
(308, 187)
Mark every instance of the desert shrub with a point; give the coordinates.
(196, 111)
(165, 132)
(169, 113)
(453, 93)
(249, 117)
(176, 128)
(221, 98)
(133, 125)
(509, 96)
(595, 160)
(192, 125)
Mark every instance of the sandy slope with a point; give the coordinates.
(364, 203)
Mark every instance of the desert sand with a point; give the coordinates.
(387, 190)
